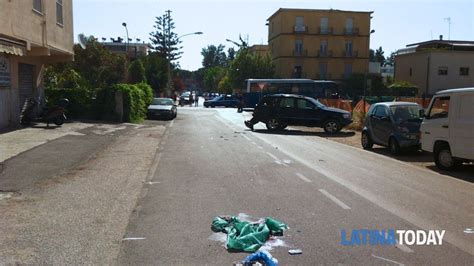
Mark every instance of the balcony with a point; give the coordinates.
(300, 29)
(300, 52)
(349, 53)
(324, 53)
(351, 31)
(325, 31)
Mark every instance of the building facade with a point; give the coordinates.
(32, 34)
(436, 65)
(259, 49)
(319, 44)
(132, 50)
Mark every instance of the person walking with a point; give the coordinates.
(191, 99)
(240, 105)
(196, 101)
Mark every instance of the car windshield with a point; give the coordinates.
(162, 101)
(403, 113)
(185, 93)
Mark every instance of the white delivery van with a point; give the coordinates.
(448, 128)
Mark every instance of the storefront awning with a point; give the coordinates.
(11, 48)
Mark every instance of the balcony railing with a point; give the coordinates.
(349, 53)
(300, 52)
(324, 53)
(300, 29)
(327, 31)
(351, 31)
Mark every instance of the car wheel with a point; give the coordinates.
(332, 126)
(282, 126)
(444, 160)
(394, 146)
(273, 124)
(366, 141)
(213, 106)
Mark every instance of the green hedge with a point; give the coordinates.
(135, 102)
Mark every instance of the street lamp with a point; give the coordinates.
(126, 29)
(168, 91)
(234, 42)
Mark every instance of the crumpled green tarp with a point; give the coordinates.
(245, 236)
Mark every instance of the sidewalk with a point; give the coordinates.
(79, 214)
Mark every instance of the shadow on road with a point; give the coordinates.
(295, 132)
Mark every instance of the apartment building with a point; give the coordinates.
(259, 49)
(319, 44)
(132, 50)
(32, 33)
(436, 65)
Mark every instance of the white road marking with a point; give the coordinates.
(273, 156)
(247, 138)
(171, 124)
(336, 200)
(304, 178)
(133, 238)
(469, 231)
(260, 147)
(392, 261)
(253, 143)
(278, 162)
(152, 183)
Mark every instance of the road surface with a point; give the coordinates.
(209, 164)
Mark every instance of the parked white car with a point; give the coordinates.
(448, 128)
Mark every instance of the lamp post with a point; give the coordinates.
(234, 42)
(126, 29)
(168, 86)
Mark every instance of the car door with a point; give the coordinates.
(436, 124)
(461, 125)
(307, 113)
(382, 124)
(287, 111)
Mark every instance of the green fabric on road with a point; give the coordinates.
(246, 236)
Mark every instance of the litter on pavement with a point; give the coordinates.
(260, 257)
(247, 236)
(295, 251)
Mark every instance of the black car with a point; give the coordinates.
(223, 100)
(392, 124)
(280, 110)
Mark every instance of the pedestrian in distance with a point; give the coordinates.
(196, 101)
(240, 105)
(191, 99)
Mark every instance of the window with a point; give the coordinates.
(348, 48)
(304, 104)
(347, 70)
(324, 26)
(297, 72)
(411, 71)
(380, 111)
(38, 6)
(439, 108)
(464, 71)
(299, 22)
(442, 71)
(287, 103)
(59, 12)
(323, 47)
(349, 25)
(323, 70)
(298, 47)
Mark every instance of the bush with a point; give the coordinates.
(80, 101)
(147, 90)
(134, 102)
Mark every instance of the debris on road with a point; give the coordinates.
(261, 257)
(247, 236)
(295, 251)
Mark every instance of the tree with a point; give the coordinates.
(136, 72)
(212, 77)
(164, 41)
(230, 54)
(156, 71)
(379, 56)
(213, 56)
(249, 65)
(390, 61)
(371, 55)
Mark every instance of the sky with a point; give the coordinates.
(396, 23)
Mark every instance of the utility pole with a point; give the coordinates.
(448, 19)
(167, 30)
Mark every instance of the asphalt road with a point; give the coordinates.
(209, 164)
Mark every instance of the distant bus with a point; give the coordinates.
(255, 89)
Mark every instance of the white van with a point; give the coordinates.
(448, 128)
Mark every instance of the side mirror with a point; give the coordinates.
(385, 118)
